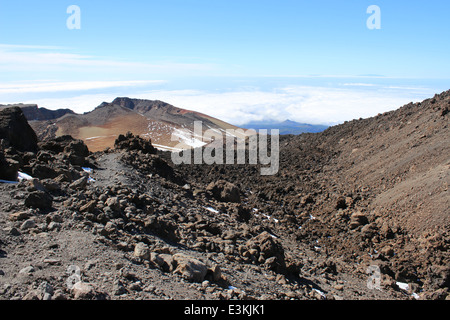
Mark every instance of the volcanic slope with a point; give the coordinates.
(155, 120)
(367, 192)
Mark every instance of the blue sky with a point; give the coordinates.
(213, 55)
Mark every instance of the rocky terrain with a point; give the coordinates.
(359, 211)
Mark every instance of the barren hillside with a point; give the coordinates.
(155, 120)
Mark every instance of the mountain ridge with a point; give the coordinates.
(153, 119)
(35, 113)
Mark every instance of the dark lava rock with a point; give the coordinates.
(74, 150)
(8, 168)
(132, 142)
(224, 191)
(15, 130)
(39, 200)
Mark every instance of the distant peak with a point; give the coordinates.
(124, 102)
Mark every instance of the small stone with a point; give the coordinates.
(54, 226)
(39, 200)
(89, 207)
(46, 290)
(358, 219)
(190, 268)
(14, 232)
(80, 183)
(90, 264)
(28, 224)
(135, 286)
(224, 191)
(339, 287)
(27, 270)
(217, 273)
(17, 216)
(163, 261)
(281, 279)
(59, 295)
(32, 295)
(387, 251)
(110, 227)
(142, 251)
(113, 203)
(54, 217)
(52, 261)
(83, 290)
(119, 289)
(291, 294)
(37, 185)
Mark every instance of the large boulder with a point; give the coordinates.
(39, 200)
(16, 132)
(266, 249)
(132, 142)
(224, 191)
(74, 150)
(190, 268)
(8, 168)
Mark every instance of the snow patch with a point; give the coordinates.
(23, 176)
(20, 177)
(405, 287)
(210, 209)
(88, 170)
(166, 148)
(189, 138)
(320, 292)
(402, 285)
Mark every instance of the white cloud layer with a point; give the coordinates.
(315, 105)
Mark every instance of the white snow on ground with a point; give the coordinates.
(98, 137)
(266, 216)
(23, 176)
(189, 138)
(89, 170)
(213, 129)
(20, 176)
(211, 209)
(92, 138)
(320, 292)
(405, 287)
(166, 148)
